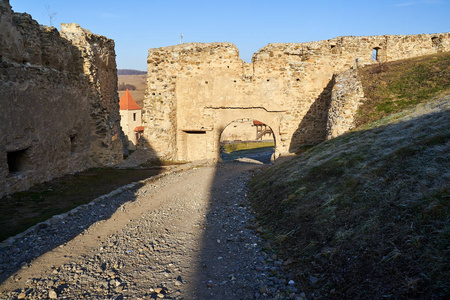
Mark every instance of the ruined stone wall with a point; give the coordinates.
(313, 64)
(194, 89)
(346, 96)
(99, 67)
(48, 103)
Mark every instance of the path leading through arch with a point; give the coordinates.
(247, 139)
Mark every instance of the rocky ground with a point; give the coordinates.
(187, 235)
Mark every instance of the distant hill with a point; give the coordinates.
(135, 83)
(130, 72)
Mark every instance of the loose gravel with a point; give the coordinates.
(200, 241)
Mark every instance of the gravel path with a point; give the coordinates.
(187, 235)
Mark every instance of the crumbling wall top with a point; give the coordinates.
(193, 51)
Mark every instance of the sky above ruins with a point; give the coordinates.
(138, 25)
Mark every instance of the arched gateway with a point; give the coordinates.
(195, 90)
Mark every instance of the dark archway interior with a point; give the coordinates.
(247, 139)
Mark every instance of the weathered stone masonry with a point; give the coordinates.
(195, 90)
(59, 109)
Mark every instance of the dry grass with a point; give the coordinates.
(139, 82)
(392, 87)
(228, 148)
(367, 213)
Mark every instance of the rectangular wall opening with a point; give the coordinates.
(73, 144)
(195, 131)
(19, 161)
(375, 54)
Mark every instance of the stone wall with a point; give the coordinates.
(194, 90)
(57, 115)
(346, 96)
(99, 67)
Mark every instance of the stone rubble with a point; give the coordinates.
(195, 246)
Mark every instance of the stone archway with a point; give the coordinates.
(203, 142)
(224, 117)
(247, 138)
(194, 90)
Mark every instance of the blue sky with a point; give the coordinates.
(137, 26)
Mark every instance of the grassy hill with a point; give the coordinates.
(366, 215)
(139, 82)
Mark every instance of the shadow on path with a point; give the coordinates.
(262, 155)
(18, 253)
(229, 246)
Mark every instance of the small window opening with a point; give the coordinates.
(437, 43)
(268, 79)
(375, 54)
(298, 79)
(334, 49)
(18, 161)
(195, 131)
(228, 67)
(73, 144)
(134, 116)
(206, 82)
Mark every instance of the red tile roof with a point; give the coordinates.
(139, 128)
(257, 123)
(127, 102)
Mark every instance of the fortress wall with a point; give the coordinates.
(99, 67)
(309, 69)
(48, 103)
(170, 97)
(191, 86)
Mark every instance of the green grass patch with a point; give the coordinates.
(228, 148)
(397, 85)
(25, 209)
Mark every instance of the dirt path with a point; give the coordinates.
(188, 235)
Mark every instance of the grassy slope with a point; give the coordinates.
(392, 87)
(25, 209)
(367, 213)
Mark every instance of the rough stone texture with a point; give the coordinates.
(99, 65)
(346, 96)
(194, 90)
(51, 89)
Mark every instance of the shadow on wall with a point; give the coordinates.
(313, 127)
(63, 228)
